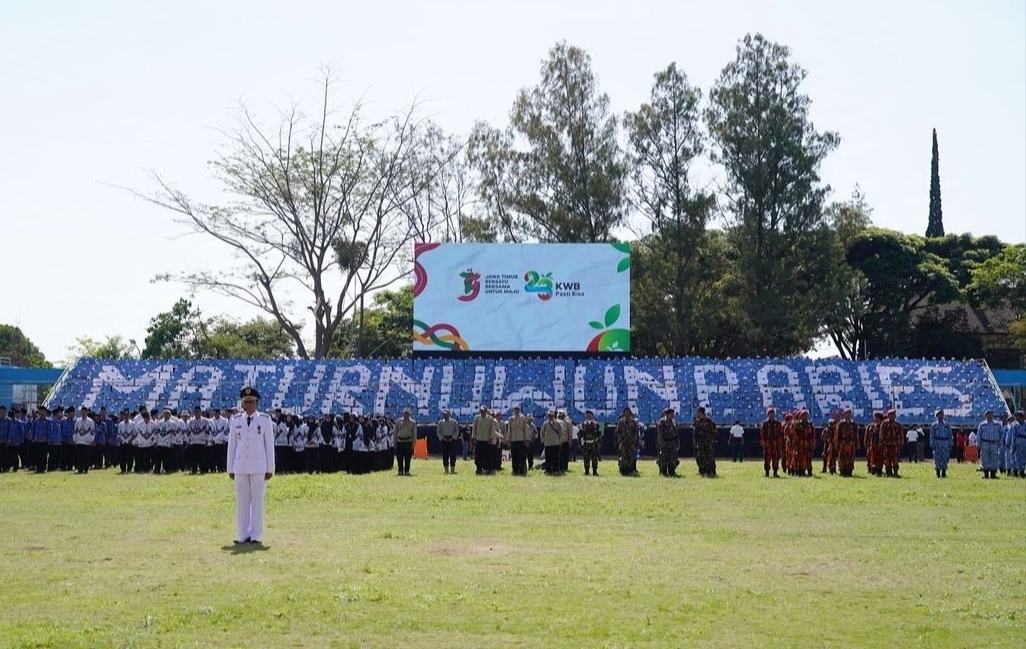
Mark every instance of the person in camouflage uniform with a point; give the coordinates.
(892, 436)
(770, 434)
(704, 430)
(847, 442)
(829, 450)
(786, 443)
(874, 452)
(590, 436)
(627, 442)
(667, 444)
(805, 442)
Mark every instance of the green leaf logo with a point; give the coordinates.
(596, 325)
(612, 315)
(624, 264)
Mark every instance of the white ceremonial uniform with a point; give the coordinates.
(250, 460)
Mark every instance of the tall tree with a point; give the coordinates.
(935, 228)
(322, 209)
(771, 154)
(556, 174)
(844, 326)
(665, 140)
(16, 346)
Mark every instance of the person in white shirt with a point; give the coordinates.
(145, 434)
(737, 441)
(126, 437)
(83, 438)
(218, 440)
(250, 464)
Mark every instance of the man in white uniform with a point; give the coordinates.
(250, 464)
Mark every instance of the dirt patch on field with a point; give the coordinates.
(476, 550)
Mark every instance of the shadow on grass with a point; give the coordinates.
(245, 548)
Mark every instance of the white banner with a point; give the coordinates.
(522, 297)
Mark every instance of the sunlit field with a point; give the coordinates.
(472, 561)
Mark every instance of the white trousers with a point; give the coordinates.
(249, 505)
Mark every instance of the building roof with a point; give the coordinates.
(969, 320)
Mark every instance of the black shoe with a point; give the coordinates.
(240, 542)
(253, 542)
(944, 473)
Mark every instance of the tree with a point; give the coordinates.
(710, 320)
(848, 220)
(771, 154)
(171, 333)
(556, 174)
(17, 347)
(223, 337)
(446, 209)
(962, 253)
(935, 228)
(900, 278)
(386, 328)
(1001, 280)
(112, 347)
(677, 269)
(322, 208)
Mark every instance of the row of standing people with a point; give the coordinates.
(144, 441)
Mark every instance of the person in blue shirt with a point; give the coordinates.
(1017, 445)
(5, 440)
(38, 433)
(53, 438)
(67, 424)
(941, 440)
(990, 434)
(99, 439)
(17, 454)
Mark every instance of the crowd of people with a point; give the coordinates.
(168, 441)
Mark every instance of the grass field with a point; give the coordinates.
(469, 561)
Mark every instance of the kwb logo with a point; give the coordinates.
(539, 284)
(471, 285)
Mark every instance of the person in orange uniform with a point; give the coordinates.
(892, 436)
(805, 443)
(874, 451)
(847, 441)
(829, 449)
(785, 443)
(770, 434)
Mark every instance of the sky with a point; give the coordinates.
(97, 95)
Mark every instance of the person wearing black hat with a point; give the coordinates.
(250, 464)
(627, 442)
(591, 443)
(481, 435)
(667, 444)
(704, 432)
(85, 440)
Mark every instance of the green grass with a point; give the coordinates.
(467, 561)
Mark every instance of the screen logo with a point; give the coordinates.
(471, 285)
(540, 285)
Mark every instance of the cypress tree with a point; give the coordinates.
(936, 226)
